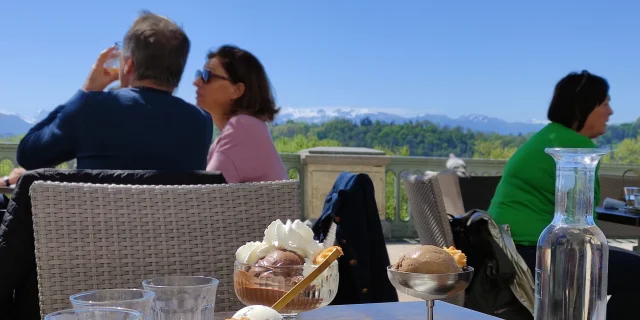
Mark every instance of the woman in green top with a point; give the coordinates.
(525, 197)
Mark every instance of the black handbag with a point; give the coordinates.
(489, 291)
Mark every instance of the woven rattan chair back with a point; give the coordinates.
(431, 198)
(90, 236)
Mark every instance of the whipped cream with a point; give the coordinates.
(293, 236)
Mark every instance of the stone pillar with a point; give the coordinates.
(322, 165)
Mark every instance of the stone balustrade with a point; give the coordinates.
(317, 169)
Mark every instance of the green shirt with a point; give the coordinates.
(525, 197)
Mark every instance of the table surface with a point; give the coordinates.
(618, 216)
(385, 311)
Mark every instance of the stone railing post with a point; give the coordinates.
(322, 165)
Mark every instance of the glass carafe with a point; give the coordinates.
(572, 255)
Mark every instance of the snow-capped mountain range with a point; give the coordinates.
(13, 124)
(474, 122)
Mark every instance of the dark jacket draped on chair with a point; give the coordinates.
(351, 205)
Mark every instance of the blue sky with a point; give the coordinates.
(498, 58)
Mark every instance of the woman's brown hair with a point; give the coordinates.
(243, 67)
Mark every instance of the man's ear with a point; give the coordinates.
(128, 66)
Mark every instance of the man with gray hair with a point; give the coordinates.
(141, 125)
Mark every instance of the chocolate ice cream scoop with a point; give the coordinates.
(427, 260)
(267, 267)
(280, 258)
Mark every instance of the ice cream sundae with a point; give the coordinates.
(431, 273)
(265, 271)
(428, 259)
(294, 237)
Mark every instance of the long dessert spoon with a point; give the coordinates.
(331, 257)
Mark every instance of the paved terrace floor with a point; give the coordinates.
(397, 248)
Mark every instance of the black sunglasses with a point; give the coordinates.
(585, 75)
(207, 75)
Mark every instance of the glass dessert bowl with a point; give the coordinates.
(431, 273)
(265, 285)
(430, 286)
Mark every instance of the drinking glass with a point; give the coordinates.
(95, 314)
(630, 194)
(182, 297)
(134, 299)
(113, 64)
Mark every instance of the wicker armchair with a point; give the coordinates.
(431, 198)
(90, 236)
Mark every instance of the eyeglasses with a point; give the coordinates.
(585, 74)
(207, 75)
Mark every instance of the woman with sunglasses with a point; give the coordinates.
(525, 198)
(234, 88)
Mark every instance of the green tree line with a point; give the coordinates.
(426, 139)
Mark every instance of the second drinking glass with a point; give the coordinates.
(183, 297)
(134, 299)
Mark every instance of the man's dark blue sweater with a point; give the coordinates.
(126, 129)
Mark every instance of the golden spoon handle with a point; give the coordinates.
(307, 281)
